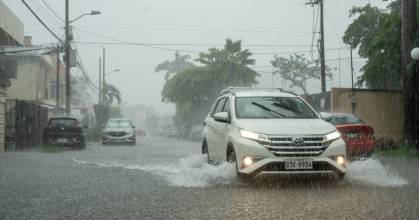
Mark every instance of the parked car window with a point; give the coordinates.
(63, 122)
(345, 119)
(118, 124)
(272, 107)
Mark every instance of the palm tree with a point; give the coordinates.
(172, 67)
(110, 94)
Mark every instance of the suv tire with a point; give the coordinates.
(204, 150)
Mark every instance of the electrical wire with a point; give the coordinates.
(191, 29)
(42, 22)
(178, 44)
(52, 11)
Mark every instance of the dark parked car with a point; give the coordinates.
(359, 137)
(65, 130)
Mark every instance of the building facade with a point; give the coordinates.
(11, 35)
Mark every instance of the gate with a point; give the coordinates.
(25, 121)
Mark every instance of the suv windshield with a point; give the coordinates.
(63, 122)
(273, 107)
(118, 124)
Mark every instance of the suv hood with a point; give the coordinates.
(286, 126)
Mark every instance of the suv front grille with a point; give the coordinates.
(117, 133)
(306, 146)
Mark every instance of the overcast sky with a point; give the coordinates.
(286, 25)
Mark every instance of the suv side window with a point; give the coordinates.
(227, 106)
(219, 106)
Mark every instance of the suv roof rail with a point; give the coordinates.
(235, 89)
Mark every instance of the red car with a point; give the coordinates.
(358, 136)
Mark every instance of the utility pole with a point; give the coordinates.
(100, 81)
(103, 72)
(321, 50)
(408, 31)
(57, 89)
(67, 60)
(322, 54)
(353, 100)
(339, 67)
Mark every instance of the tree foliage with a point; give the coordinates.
(172, 67)
(376, 33)
(298, 70)
(110, 95)
(194, 89)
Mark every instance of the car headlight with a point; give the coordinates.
(130, 133)
(254, 136)
(331, 136)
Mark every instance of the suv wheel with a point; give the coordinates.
(231, 155)
(205, 150)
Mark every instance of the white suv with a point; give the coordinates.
(270, 131)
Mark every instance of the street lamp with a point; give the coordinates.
(415, 53)
(67, 53)
(113, 71)
(93, 12)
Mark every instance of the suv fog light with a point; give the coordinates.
(340, 160)
(247, 161)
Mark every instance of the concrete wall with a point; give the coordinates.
(380, 109)
(32, 79)
(10, 24)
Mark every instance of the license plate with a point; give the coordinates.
(299, 165)
(62, 140)
(352, 135)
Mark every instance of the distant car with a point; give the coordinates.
(141, 132)
(358, 136)
(65, 130)
(119, 131)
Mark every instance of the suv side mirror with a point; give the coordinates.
(326, 116)
(222, 117)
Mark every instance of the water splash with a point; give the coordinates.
(372, 172)
(192, 171)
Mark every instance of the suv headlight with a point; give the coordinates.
(331, 136)
(254, 136)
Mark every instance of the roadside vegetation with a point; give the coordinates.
(403, 151)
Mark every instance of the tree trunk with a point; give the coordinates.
(408, 30)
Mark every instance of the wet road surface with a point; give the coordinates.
(163, 178)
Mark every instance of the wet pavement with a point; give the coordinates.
(163, 178)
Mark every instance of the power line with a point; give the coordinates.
(193, 29)
(43, 13)
(40, 21)
(52, 11)
(179, 44)
(133, 43)
(25, 50)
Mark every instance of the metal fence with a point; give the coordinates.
(25, 121)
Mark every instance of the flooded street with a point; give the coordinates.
(161, 178)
